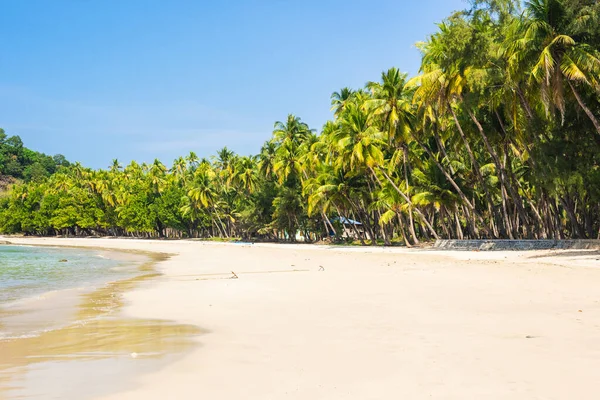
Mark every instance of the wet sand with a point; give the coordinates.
(303, 322)
(76, 332)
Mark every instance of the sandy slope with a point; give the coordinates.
(374, 324)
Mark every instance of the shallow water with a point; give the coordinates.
(27, 272)
(62, 319)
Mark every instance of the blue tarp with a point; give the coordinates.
(346, 221)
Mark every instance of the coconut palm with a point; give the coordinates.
(340, 99)
(543, 44)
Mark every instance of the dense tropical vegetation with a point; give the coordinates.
(19, 162)
(497, 137)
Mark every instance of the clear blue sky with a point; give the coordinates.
(144, 79)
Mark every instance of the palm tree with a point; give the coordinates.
(287, 166)
(293, 130)
(203, 196)
(391, 102)
(192, 160)
(544, 44)
(340, 99)
(267, 158)
(180, 169)
(360, 144)
(115, 165)
(358, 139)
(491, 137)
(245, 173)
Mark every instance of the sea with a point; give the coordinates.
(27, 271)
(59, 317)
(41, 287)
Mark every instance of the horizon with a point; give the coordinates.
(134, 92)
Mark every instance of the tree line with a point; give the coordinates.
(19, 162)
(498, 136)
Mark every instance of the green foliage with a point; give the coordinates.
(22, 163)
(497, 137)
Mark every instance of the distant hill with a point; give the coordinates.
(20, 163)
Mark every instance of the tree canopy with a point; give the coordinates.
(498, 136)
(19, 162)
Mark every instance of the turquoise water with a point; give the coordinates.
(27, 271)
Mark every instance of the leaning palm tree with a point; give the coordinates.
(360, 144)
(392, 102)
(543, 46)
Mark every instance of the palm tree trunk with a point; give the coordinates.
(411, 221)
(403, 230)
(360, 211)
(408, 201)
(442, 148)
(459, 191)
(524, 103)
(572, 217)
(352, 212)
(386, 240)
(411, 226)
(443, 221)
(502, 176)
(476, 168)
(327, 222)
(224, 232)
(507, 224)
(587, 111)
(557, 219)
(459, 232)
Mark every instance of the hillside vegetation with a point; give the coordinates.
(20, 163)
(498, 136)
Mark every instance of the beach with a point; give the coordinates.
(309, 322)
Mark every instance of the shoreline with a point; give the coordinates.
(373, 323)
(36, 307)
(78, 312)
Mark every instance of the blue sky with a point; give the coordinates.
(145, 79)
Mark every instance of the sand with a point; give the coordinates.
(306, 322)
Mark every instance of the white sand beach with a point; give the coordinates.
(305, 322)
